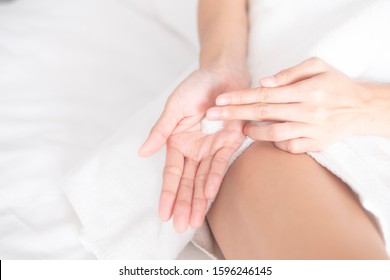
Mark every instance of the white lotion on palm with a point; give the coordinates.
(211, 127)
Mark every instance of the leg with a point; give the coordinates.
(276, 205)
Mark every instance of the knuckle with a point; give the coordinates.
(168, 193)
(284, 75)
(186, 183)
(172, 170)
(158, 130)
(260, 112)
(201, 178)
(230, 113)
(263, 95)
(316, 62)
(318, 95)
(319, 114)
(215, 175)
(241, 98)
(221, 161)
(276, 132)
(198, 201)
(182, 203)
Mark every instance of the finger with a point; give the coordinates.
(261, 95)
(307, 69)
(172, 173)
(299, 145)
(218, 169)
(182, 208)
(259, 112)
(278, 131)
(159, 133)
(199, 201)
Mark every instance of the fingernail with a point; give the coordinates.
(268, 81)
(223, 100)
(214, 114)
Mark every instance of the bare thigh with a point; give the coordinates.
(276, 205)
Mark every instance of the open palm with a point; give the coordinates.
(195, 162)
(195, 166)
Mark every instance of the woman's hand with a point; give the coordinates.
(195, 162)
(311, 106)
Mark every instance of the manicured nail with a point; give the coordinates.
(214, 114)
(268, 81)
(223, 100)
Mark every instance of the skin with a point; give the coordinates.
(267, 209)
(311, 105)
(196, 163)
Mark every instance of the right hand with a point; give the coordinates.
(195, 162)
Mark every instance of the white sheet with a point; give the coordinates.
(71, 73)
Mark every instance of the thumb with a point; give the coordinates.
(159, 134)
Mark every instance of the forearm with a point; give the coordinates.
(223, 33)
(378, 110)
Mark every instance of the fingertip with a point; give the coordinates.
(212, 186)
(210, 192)
(165, 206)
(164, 215)
(179, 224)
(149, 147)
(268, 82)
(223, 99)
(196, 222)
(213, 114)
(141, 152)
(198, 214)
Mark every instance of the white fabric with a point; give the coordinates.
(71, 73)
(115, 194)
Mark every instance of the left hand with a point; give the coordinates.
(311, 106)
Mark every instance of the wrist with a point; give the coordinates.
(222, 58)
(377, 109)
(228, 67)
